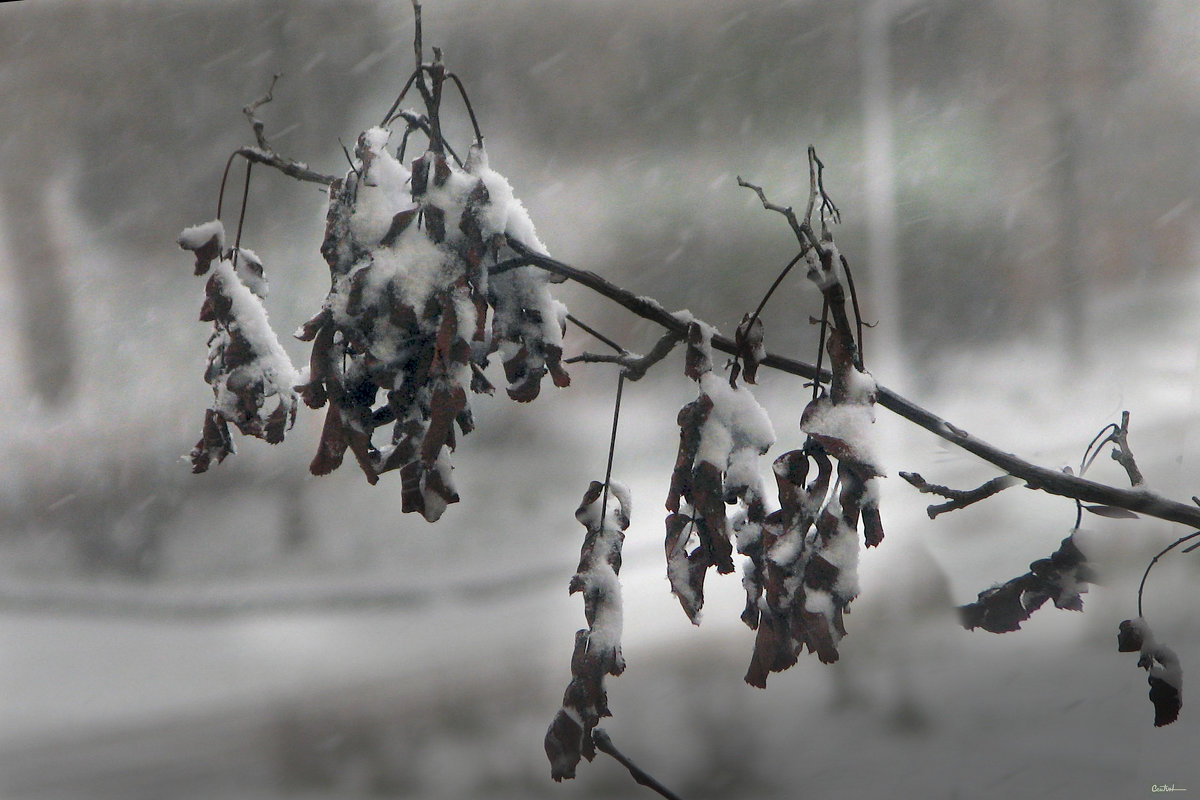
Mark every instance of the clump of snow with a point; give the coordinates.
(197, 236)
(268, 364)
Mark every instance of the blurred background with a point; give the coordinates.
(1018, 182)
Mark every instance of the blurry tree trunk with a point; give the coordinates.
(46, 326)
(875, 56)
(1067, 146)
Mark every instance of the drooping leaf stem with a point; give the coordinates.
(1153, 561)
(612, 441)
(612, 447)
(245, 194)
(778, 280)
(237, 239)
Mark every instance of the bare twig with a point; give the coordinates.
(605, 745)
(797, 227)
(255, 123)
(636, 366)
(778, 280)
(265, 154)
(470, 110)
(1123, 455)
(290, 167)
(958, 498)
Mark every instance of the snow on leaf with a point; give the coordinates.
(751, 350)
(721, 435)
(597, 651)
(406, 330)
(206, 241)
(1161, 662)
(250, 374)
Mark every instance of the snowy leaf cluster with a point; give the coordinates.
(250, 374)
(1061, 578)
(412, 316)
(597, 651)
(1161, 662)
(802, 572)
(722, 433)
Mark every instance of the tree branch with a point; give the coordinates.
(635, 366)
(290, 167)
(1035, 477)
(605, 745)
(1040, 478)
(265, 154)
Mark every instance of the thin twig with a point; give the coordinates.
(265, 154)
(958, 498)
(786, 211)
(635, 366)
(605, 745)
(237, 241)
(421, 123)
(821, 342)
(399, 98)
(1153, 561)
(571, 318)
(858, 321)
(816, 179)
(293, 169)
(470, 111)
(255, 123)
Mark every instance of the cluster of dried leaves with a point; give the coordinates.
(721, 435)
(802, 570)
(250, 375)
(407, 328)
(404, 333)
(597, 651)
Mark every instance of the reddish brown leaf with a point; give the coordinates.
(435, 223)
(215, 442)
(1129, 637)
(400, 223)
(749, 341)
(696, 359)
(206, 253)
(332, 446)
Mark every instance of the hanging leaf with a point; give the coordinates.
(750, 346)
(252, 379)
(1061, 578)
(1112, 512)
(597, 652)
(722, 433)
(1161, 662)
